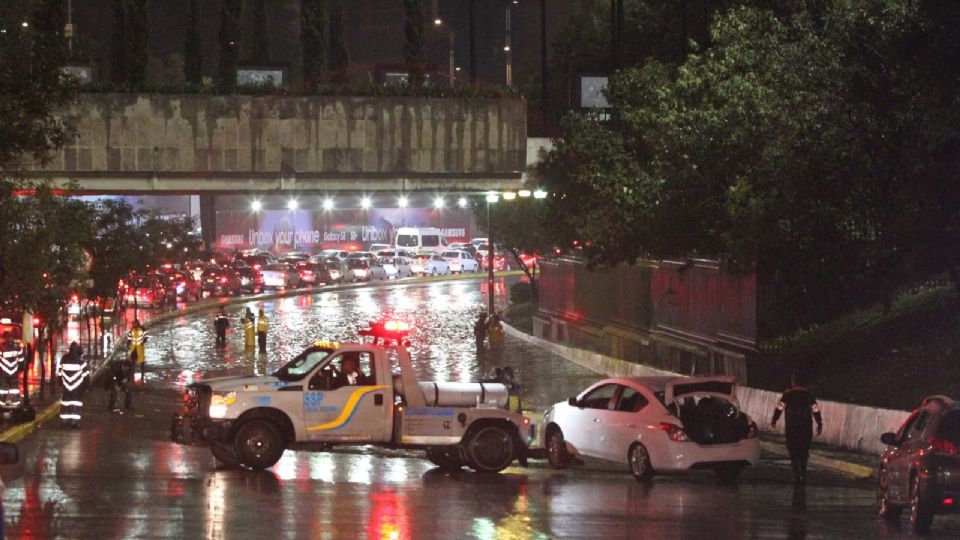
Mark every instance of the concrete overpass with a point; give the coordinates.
(209, 145)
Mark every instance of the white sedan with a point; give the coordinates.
(460, 262)
(396, 267)
(655, 424)
(429, 264)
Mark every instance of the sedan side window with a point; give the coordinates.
(917, 430)
(599, 398)
(631, 400)
(905, 428)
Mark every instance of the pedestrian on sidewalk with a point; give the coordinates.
(11, 362)
(799, 409)
(73, 376)
(249, 325)
(120, 379)
(262, 325)
(480, 330)
(136, 339)
(220, 324)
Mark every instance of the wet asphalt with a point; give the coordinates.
(118, 476)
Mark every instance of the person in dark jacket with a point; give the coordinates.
(121, 380)
(480, 330)
(220, 324)
(799, 409)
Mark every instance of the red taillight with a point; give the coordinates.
(674, 432)
(753, 432)
(948, 501)
(223, 279)
(256, 267)
(943, 447)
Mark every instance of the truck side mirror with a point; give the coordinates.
(9, 454)
(889, 439)
(573, 402)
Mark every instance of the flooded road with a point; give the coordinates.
(119, 476)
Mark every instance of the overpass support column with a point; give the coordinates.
(208, 219)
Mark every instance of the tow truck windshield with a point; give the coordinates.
(299, 367)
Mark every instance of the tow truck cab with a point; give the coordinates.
(315, 400)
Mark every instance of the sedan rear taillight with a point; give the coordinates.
(674, 432)
(943, 447)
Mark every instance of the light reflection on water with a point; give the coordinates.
(441, 315)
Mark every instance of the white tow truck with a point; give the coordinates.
(354, 394)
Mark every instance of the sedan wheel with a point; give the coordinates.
(639, 460)
(921, 514)
(557, 453)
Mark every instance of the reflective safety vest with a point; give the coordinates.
(73, 371)
(137, 337)
(11, 358)
(262, 323)
(247, 323)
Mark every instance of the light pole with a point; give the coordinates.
(491, 198)
(451, 67)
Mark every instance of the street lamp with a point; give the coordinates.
(492, 197)
(539, 194)
(524, 193)
(328, 204)
(438, 203)
(451, 70)
(292, 204)
(256, 205)
(462, 202)
(402, 202)
(509, 195)
(365, 203)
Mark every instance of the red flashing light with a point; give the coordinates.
(948, 501)
(36, 321)
(74, 298)
(526, 421)
(396, 326)
(674, 432)
(943, 447)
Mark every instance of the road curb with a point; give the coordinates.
(853, 469)
(20, 431)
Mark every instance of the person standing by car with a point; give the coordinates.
(262, 325)
(799, 409)
(73, 376)
(220, 325)
(136, 339)
(480, 330)
(248, 330)
(119, 380)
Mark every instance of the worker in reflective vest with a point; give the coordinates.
(262, 325)
(137, 338)
(11, 362)
(73, 376)
(248, 330)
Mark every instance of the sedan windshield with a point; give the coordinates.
(302, 365)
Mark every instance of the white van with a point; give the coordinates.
(420, 239)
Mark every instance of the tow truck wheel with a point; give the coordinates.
(224, 454)
(445, 457)
(259, 444)
(490, 449)
(557, 453)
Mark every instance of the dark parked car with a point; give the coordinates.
(219, 281)
(920, 469)
(181, 285)
(313, 274)
(251, 280)
(257, 259)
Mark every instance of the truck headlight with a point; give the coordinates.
(219, 402)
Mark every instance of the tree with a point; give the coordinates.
(414, 46)
(138, 36)
(229, 39)
(313, 38)
(193, 46)
(32, 85)
(337, 52)
(114, 246)
(259, 46)
(815, 145)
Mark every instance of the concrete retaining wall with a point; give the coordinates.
(243, 139)
(854, 427)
